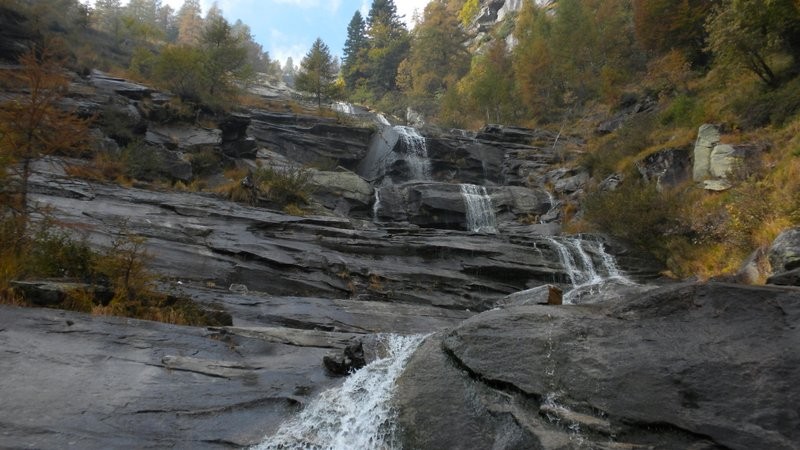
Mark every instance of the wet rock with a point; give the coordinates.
(350, 360)
(311, 140)
(541, 295)
(235, 141)
(683, 357)
(104, 382)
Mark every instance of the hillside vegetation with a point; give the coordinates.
(631, 78)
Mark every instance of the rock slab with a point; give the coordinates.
(685, 366)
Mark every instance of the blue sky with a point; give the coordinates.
(289, 27)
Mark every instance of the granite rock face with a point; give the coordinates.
(684, 366)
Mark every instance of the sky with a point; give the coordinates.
(288, 27)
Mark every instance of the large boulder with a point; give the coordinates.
(708, 137)
(784, 256)
(725, 159)
(334, 187)
(685, 366)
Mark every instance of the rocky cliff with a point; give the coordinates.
(409, 233)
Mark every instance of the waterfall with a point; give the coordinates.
(394, 143)
(417, 152)
(376, 207)
(357, 414)
(582, 270)
(344, 107)
(480, 213)
(553, 204)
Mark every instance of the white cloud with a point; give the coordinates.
(407, 7)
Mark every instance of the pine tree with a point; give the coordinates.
(317, 72)
(190, 23)
(355, 48)
(388, 46)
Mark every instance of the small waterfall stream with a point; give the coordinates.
(417, 152)
(480, 213)
(355, 415)
(583, 272)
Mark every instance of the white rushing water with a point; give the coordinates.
(417, 152)
(376, 206)
(480, 212)
(355, 415)
(344, 107)
(583, 271)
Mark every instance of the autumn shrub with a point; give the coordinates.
(611, 151)
(636, 212)
(205, 163)
(684, 111)
(763, 106)
(281, 186)
(142, 162)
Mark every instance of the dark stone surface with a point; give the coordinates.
(784, 253)
(91, 382)
(668, 167)
(311, 140)
(685, 366)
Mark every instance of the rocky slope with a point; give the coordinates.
(384, 250)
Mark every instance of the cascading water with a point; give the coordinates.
(355, 415)
(392, 144)
(417, 152)
(480, 213)
(581, 269)
(376, 206)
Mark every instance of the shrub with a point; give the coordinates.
(286, 187)
(636, 212)
(142, 162)
(614, 149)
(205, 163)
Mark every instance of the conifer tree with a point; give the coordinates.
(388, 46)
(317, 72)
(355, 48)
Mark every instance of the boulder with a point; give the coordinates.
(790, 278)
(685, 366)
(571, 184)
(784, 253)
(330, 187)
(235, 142)
(725, 159)
(708, 137)
(350, 359)
(540, 295)
(183, 137)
